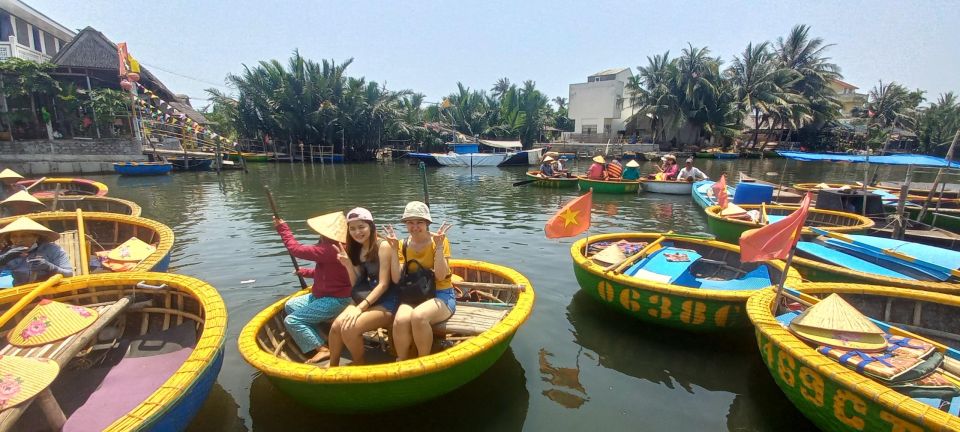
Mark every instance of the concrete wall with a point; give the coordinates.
(594, 102)
(67, 156)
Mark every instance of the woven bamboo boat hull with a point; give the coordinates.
(186, 300)
(729, 230)
(839, 399)
(609, 187)
(110, 230)
(557, 182)
(380, 387)
(667, 187)
(816, 271)
(68, 186)
(702, 310)
(95, 204)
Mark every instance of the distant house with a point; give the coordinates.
(596, 106)
(847, 94)
(28, 34)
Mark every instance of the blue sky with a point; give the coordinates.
(429, 46)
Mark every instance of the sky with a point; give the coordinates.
(429, 46)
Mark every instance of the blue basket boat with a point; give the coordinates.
(142, 168)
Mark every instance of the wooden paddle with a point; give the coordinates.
(523, 182)
(82, 238)
(29, 297)
(35, 183)
(619, 267)
(296, 266)
(902, 256)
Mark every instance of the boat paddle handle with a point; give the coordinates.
(296, 266)
(35, 183)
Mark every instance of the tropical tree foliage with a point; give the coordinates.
(938, 123)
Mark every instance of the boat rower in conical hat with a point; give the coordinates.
(8, 183)
(27, 249)
(21, 203)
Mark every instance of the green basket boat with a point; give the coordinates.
(609, 186)
(836, 398)
(552, 182)
(249, 157)
(946, 218)
(379, 387)
(729, 230)
(669, 304)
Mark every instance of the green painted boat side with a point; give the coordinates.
(727, 230)
(831, 396)
(610, 187)
(703, 155)
(815, 271)
(950, 223)
(559, 182)
(354, 398)
(691, 309)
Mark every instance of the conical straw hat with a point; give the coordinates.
(22, 197)
(599, 159)
(22, 378)
(610, 255)
(25, 224)
(731, 210)
(822, 186)
(331, 225)
(834, 322)
(51, 321)
(9, 174)
(633, 163)
(134, 250)
(548, 159)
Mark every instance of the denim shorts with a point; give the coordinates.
(389, 301)
(449, 298)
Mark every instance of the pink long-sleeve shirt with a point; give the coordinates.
(330, 278)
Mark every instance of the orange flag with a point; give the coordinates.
(774, 241)
(572, 219)
(720, 191)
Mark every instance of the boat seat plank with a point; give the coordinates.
(62, 352)
(851, 262)
(657, 263)
(69, 241)
(470, 321)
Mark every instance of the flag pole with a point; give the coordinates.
(586, 245)
(783, 277)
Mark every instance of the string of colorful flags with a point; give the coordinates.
(161, 109)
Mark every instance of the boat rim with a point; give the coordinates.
(621, 181)
(533, 176)
(758, 309)
(793, 277)
(864, 222)
(208, 346)
(102, 189)
(875, 279)
(395, 371)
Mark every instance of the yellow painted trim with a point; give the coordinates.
(863, 223)
(208, 345)
(793, 277)
(759, 309)
(943, 287)
(584, 178)
(135, 208)
(164, 232)
(100, 186)
(285, 369)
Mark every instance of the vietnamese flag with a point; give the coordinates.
(774, 241)
(572, 219)
(720, 192)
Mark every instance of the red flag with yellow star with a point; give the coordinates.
(572, 219)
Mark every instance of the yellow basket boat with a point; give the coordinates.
(377, 387)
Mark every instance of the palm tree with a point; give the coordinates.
(761, 85)
(891, 105)
(652, 92)
(806, 56)
(560, 101)
(500, 87)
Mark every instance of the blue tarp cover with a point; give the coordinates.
(899, 159)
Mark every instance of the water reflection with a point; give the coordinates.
(219, 413)
(497, 400)
(568, 378)
(688, 364)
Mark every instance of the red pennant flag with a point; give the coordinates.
(720, 191)
(774, 241)
(572, 219)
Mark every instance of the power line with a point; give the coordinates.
(222, 86)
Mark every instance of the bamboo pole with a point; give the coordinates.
(901, 226)
(936, 181)
(29, 297)
(82, 234)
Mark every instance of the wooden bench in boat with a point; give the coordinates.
(69, 241)
(471, 320)
(62, 352)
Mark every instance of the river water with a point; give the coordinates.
(574, 365)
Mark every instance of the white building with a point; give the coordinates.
(28, 34)
(597, 105)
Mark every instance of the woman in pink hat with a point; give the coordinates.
(373, 267)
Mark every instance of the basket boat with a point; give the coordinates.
(142, 168)
(669, 187)
(102, 204)
(106, 231)
(686, 301)
(68, 186)
(171, 325)
(378, 387)
(728, 230)
(836, 398)
(703, 195)
(609, 186)
(552, 182)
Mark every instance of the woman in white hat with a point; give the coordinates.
(27, 250)
(413, 322)
(8, 183)
(373, 267)
(21, 203)
(330, 293)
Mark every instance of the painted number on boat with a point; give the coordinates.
(687, 311)
(821, 397)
